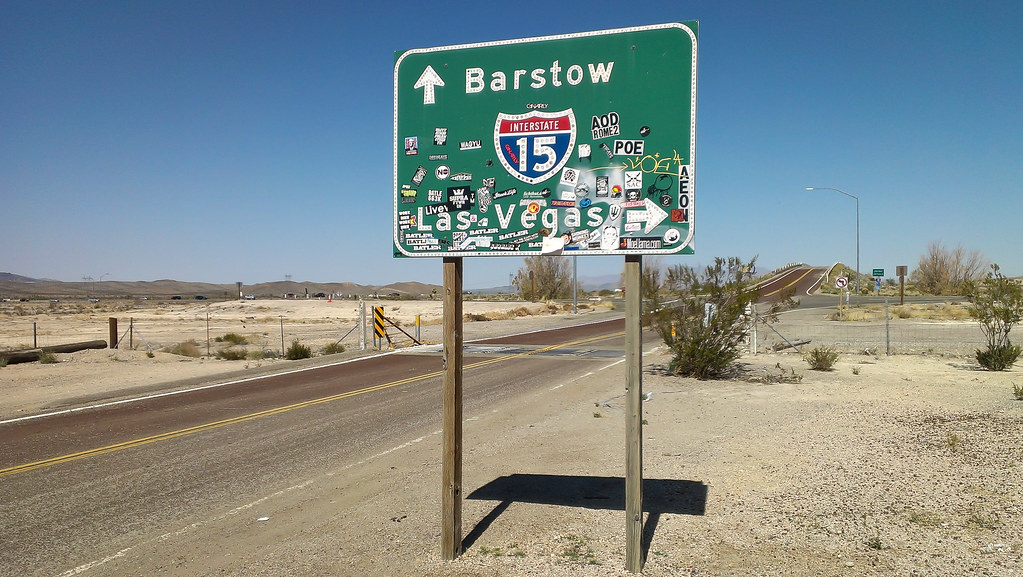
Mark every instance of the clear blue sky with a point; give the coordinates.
(243, 141)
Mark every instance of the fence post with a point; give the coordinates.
(362, 321)
(113, 332)
(887, 330)
(35, 336)
(753, 341)
(131, 333)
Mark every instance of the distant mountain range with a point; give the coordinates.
(18, 286)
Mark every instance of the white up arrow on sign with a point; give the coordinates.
(427, 80)
(653, 215)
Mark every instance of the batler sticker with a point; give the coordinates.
(534, 146)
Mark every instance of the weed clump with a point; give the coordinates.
(232, 354)
(233, 338)
(821, 358)
(298, 351)
(333, 349)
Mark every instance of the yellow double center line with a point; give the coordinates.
(801, 277)
(270, 412)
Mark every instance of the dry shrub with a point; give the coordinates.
(298, 351)
(930, 311)
(189, 348)
(857, 314)
(232, 354)
(505, 315)
(821, 358)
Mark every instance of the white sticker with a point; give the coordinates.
(633, 179)
(609, 238)
(570, 176)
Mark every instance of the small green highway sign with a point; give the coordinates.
(878, 272)
(572, 144)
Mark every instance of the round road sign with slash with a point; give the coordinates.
(841, 282)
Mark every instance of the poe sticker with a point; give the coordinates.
(534, 146)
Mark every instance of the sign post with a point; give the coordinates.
(901, 271)
(841, 283)
(580, 144)
(451, 468)
(633, 414)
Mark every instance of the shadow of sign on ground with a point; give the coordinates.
(660, 496)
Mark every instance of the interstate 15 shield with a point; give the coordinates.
(575, 144)
(534, 146)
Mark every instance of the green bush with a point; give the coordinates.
(333, 349)
(298, 351)
(1017, 390)
(998, 306)
(709, 316)
(232, 354)
(3, 361)
(821, 358)
(233, 338)
(48, 358)
(998, 357)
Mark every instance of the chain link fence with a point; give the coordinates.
(271, 334)
(896, 336)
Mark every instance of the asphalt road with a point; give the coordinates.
(82, 487)
(797, 282)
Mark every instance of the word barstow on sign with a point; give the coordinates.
(474, 77)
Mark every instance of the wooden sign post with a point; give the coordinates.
(633, 414)
(451, 502)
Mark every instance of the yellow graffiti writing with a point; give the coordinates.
(655, 163)
(649, 164)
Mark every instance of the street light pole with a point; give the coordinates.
(857, 199)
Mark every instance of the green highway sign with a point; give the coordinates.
(572, 144)
(878, 272)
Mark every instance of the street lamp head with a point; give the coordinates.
(809, 188)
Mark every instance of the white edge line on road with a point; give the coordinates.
(189, 390)
(245, 380)
(91, 564)
(618, 362)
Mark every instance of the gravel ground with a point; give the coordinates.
(910, 467)
(884, 466)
